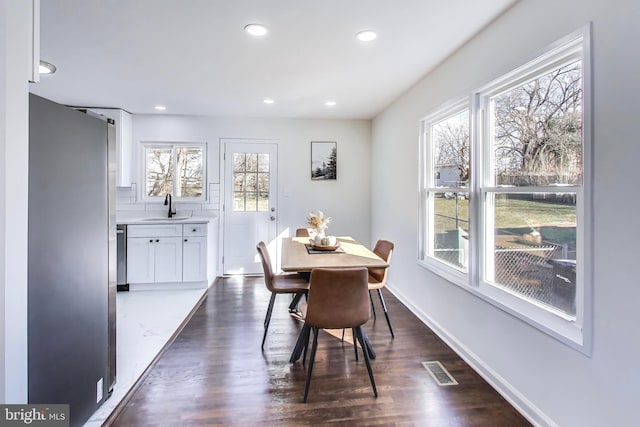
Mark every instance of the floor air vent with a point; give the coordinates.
(439, 373)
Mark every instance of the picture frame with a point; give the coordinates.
(324, 160)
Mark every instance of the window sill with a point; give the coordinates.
(553, 323)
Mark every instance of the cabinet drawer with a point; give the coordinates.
(194, 230)
(155, 230)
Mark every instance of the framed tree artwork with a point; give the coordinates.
(324, 160)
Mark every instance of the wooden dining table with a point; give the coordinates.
(298, 255)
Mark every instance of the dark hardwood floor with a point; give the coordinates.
(215, 374)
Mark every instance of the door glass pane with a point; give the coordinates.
(537, 130)
(252, 182)
(263, 163)
(251, 201)
(535, 246)
(238, 201)
(252, 162)
(451, 227)
(263, 182)
(239, 162)
(159, 171)
(251, 188)
(189, 173)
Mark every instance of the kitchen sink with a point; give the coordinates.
(175, 218)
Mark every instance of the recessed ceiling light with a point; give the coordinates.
(366, 35)
(330, 103)
(159, 107)
(257, 30)
(46, 68)
(268, 101)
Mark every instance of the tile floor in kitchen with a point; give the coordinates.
(146, 320)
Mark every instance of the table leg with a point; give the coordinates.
(293, 306)
(301, 343)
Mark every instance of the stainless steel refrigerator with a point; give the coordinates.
(71, 258)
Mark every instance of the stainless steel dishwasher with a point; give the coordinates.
(123, 285)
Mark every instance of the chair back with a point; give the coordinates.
(338, 298)
(302, 232)
(383, 249)
(266, 265)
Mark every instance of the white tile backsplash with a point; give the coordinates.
(127, 201)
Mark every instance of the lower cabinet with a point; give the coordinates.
(166, 253)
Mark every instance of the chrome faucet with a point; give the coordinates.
(167, 201)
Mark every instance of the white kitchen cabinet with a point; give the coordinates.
(124, 142)
(194, 252)
(141, 263)
(154, 253)
(168, 259)
(194, 259)
(167, 253)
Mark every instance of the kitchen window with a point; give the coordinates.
(178, 169)
(505, 192)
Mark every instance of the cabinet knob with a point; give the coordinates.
(185, 240)
(194, 230)
(157, 240)
(150, 240)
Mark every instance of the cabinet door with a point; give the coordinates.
(140, 260)
(168, 262)
(194, 259)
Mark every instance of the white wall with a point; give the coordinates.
(14, 174)
(346, 199)
(553, 383)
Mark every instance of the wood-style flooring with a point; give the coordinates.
(214, 373)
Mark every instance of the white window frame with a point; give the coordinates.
(173, 145)
(574, 332)
(451, 272)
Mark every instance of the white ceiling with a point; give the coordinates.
(194, 57)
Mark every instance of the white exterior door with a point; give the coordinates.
(250, 203)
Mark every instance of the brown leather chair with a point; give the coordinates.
(278, 284)
(378, 277)
(338, 298)
(302, 232)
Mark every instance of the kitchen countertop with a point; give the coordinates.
(164, 220)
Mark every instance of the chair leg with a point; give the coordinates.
(358, 331)
(373, 307)
(311, 360)
(307, 334)
(355, 346)
(267, 318)
(386, 314)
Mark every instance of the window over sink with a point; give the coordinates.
(176, 168)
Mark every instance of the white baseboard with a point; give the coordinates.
(510, 393)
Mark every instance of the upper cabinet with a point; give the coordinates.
(124, 142)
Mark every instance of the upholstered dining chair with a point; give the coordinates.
(278, 284)
(302, 232)
(338, 298)
(378, 277)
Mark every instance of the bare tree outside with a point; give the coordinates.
(161, 163)
(451, 144)
(538, 130)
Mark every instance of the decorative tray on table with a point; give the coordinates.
(324, 247)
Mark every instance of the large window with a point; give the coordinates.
(446, 183)
(178, 169)
(505, 208)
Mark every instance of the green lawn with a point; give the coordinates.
(555, 221)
